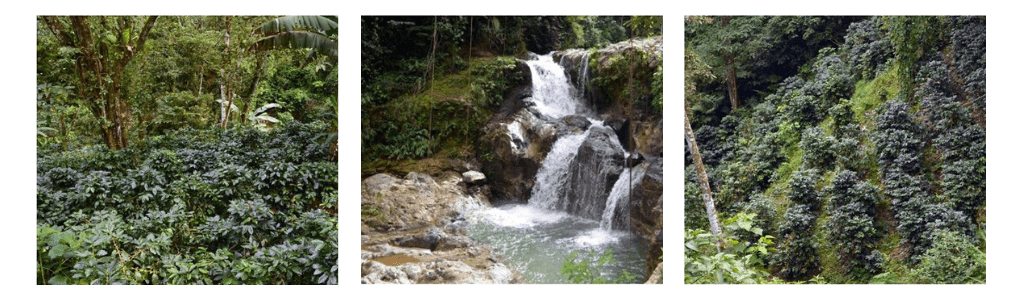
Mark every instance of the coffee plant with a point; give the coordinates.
(866, 156)
(852, 224)
(797, 258)
(235, 206)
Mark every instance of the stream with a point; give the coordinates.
(570, 209)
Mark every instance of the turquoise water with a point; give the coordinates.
(536, 242)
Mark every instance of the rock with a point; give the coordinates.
(648, 138)
(473, 177)
(517, 146)
(453, 242)
(416, 201)
(646, 209)
(594, 171)
(577, 121)
(426, 240)
(377, 183)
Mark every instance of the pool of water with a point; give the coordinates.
(536, 242)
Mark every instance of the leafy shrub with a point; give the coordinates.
(220, 207)
(867, 47)
(898, 144)
(797, 257)
(952, 259)
(852, 224)
(801, 188)
(968, 41)
(818, 148)
(739, 262)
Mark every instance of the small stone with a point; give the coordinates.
(473, 177)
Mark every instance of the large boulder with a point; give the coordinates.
(593, 173)
(648, 138)
(392, 203)
(646, 210)
(517, 147)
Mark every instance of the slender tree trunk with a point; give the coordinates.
(730, 71)
(702, 178)
(252, 87)
(226, 90)
(730, 77)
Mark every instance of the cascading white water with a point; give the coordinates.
(537, 237)
(554, 172)
(553, 94)
(619, 192)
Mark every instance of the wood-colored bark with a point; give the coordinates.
(730, 71)
(100, 66)
(702, 179)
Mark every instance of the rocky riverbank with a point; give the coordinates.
(413, 231)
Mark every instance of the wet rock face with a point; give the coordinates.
(577, 121)
(518, 146)
(594, 170)
(646, 210)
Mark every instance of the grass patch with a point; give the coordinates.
(871, 94)
(830, 262)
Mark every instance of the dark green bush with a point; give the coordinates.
(852, 225)
(818, 148)
(801, 188)
(222, 207)
(797, 258)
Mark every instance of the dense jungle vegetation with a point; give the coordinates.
(836, 149)
(186, 150)
(429, 83)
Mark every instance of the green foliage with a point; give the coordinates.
(195, 207)
(612, 78)
(952, 259)
(579, 269)
(590, 31)
(911, 38)
(414, 125)
(893, 117)
(312, 32)
(739, 262)
(818, 148)
(852, 224)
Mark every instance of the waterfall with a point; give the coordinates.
(553, 95)
(553, 175)
(577, 202)
(615, 204)
(570, 179)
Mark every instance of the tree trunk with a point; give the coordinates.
(730, 71)
(100, 67)
(252, 87)
(702, 178)
(226, 90)
(730, 78)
